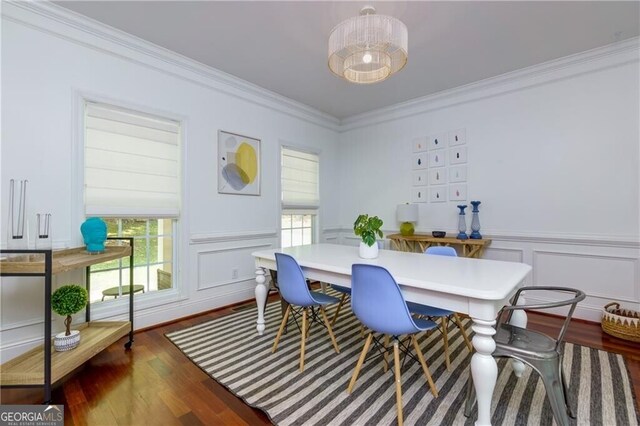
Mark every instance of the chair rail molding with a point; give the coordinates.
(221, 237)
(74, 27)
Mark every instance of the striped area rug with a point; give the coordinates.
(229, 350)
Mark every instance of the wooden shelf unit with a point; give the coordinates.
(43, 366)
(420, 242)
(63, 260)
(28, 368)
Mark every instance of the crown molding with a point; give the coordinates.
(66, 24)
(600, 58)
(79, 29)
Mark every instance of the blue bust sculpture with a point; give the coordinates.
(94, 232)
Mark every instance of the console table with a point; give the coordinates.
(420, 242)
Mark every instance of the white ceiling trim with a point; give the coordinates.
(612, 55)
(61, 22)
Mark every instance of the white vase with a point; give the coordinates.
(368, 252)
(63, 343)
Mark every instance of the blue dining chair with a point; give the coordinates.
(443, 314)
(294, 290)
(346, 292)
(376, 300)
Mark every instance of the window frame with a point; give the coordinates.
(313, 211)
(123, 273)
(120, 306)
(314, 224)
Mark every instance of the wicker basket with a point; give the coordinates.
(622, 323)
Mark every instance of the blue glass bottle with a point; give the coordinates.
(475, 221)
(462, 224)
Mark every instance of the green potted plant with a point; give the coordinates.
(66, 301)
(368, 228)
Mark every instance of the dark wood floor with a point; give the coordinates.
(155, 383)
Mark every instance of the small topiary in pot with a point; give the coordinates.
(66, 301)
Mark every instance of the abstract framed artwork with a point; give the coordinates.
(238, 164)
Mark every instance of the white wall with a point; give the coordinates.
(48, 67)
(553, 154)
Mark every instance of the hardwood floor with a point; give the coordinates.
(155, 383)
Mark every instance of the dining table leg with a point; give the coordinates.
(261, 297)
(519, 319)
(484, 368)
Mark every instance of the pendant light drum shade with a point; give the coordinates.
(368, 48)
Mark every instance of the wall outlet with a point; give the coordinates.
(234, 273)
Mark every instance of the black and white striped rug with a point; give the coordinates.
(230, 351)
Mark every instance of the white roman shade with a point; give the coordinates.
(300, 177)
(131, 163)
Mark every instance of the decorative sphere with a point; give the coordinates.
(94, 232)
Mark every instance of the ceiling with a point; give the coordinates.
(282, 46)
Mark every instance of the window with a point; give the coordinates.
(152, 258)
(132, 181)
(300, 197)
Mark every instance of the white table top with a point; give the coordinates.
(475, 278)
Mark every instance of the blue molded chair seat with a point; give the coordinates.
(427, 311)
(378, 303)
(346, 291)
(323, 299)
(294, 290)
(443, 314)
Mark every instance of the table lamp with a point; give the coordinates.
(407, 214)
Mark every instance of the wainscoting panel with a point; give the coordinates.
(505, 254)
(227, 265)
(604, 276)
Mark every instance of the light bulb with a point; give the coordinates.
(366, 58)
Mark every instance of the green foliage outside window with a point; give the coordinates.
(136, 228)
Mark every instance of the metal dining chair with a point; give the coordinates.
(541, 352)
(293, 288)
(444, 314)
(376, 300)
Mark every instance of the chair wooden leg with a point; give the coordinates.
(326, 322)
(361, 330)
(456, 318)
(363, 355)
(283, 324)
(445, 337)
(385, 367)
(425, 368)
(396, 362)
(303, 338)
(335, 316)
(309, 325)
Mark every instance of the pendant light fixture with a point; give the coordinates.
(368, 48)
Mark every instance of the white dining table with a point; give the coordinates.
(477, 287)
